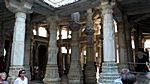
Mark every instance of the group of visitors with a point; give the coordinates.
(21, 79)
(126, 77)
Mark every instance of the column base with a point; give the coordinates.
(109, 73)
(51, 76)
(28, 73)
(75, 74)
(90, 73)
(13, 73)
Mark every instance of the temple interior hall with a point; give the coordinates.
(75, 41)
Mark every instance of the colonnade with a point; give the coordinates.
(20, 55)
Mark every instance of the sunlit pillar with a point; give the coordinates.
(109, 66)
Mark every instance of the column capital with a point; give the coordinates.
(20, 14)
(19, 6)
(52, 19)
(107, 7)
(74, 26)
(75, 23)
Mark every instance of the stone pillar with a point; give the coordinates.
(17, 53)
(60, 56)
(122, 46)
(90, 71)
(67, 60)
(75, 71)
(27, 53)
(52, 75)
(67, 57)
(128, 43)
(109, 65)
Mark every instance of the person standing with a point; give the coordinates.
(21, 78)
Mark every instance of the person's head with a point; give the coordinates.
(3, 76)
(128, 78)
(124, 71)
(21, 73)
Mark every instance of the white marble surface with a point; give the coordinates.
(17, 54)
(109, 39)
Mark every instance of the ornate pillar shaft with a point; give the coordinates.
(60, 56)
(75, 71)
(52, 75)
(109, 66)
(128, 43)
(67, 60)
(67, 57)
(17, 53)
(90, 71)
(122, 46)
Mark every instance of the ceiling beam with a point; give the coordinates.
(37, 8)
(38, 18)
(81, 5)
(140, 18)
(43, 4)
(138, 11)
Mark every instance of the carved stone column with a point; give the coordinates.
(52, 75)
(109, 66)
(122, 46)
(90, 70)
(67, 60)
(67, 57)
(60, 56)
(17, 52)
(75, 71)
(128, 43)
